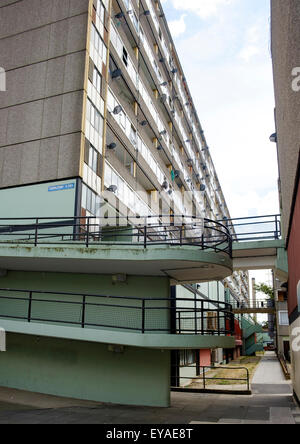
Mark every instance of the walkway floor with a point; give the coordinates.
(271, 403)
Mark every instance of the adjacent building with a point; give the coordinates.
(286, 65)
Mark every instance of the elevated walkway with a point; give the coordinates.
(257, 307)
(156, 322)
(257, 245)
(256, 255)
(119, 338)
(184, 249)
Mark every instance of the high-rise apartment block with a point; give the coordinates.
(96, 94)
(98, 123)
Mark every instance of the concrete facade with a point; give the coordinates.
(40, 113)
(286, 57)
(286, 63)
(282, 330)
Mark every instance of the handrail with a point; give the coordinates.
(241, 228)
(143, 315)
(144, 231)
(202, 376)
(258, 303)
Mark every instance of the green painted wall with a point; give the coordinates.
(42, 200)
(37, 200)
(79, 369)
(86, 371)
(105, 315)
(138, 286)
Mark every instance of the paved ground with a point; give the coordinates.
(271, 403)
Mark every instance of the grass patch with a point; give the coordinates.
(228, 372)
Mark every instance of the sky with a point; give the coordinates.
(224, 48)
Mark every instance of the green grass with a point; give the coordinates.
(228, 371)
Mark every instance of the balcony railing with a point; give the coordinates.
(256, 228)
(147, 231)
(257, 304)
(139, 315)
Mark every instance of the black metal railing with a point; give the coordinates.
(142, 231)
(203, 378)
(254, 228)
(257, 304)
(139, 315)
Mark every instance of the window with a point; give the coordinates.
(93, 159)
(187, 357)
(125, 56)
(100, 10)
(135, 21)
(97, 80)
(133, 136)
(283, 318)
(94, 117)
(98, 43)
(90, 201)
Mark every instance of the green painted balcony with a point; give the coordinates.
(184, 249)
(163, 323)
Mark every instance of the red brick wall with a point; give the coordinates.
(294, 256)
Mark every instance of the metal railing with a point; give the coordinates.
(142, 231)
(202, 378)
(258, 304)
(171, 316)
(254, 228)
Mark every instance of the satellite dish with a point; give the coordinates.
(273, 138)
(112, 188)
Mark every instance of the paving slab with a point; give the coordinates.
(281, 415)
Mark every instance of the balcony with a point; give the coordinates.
(183, 249)
(133, 321)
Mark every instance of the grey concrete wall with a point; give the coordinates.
(42, 49)
(286, 56)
